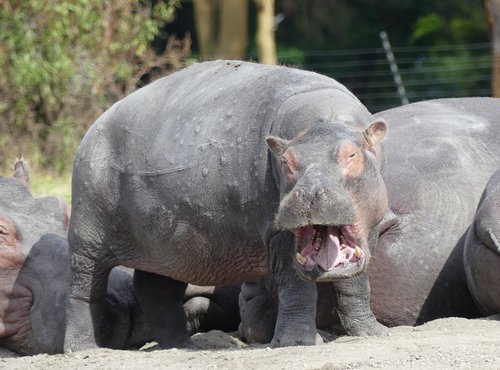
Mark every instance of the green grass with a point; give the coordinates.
(43, 182)
(58, 185)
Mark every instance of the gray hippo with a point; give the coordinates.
(438, 157)
(482, 250)
(225, 172)
(35, 278)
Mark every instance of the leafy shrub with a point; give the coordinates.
(63, 62)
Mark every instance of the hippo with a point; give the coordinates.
(439, 155)
(225, 172)
(35, 280)
(482, 250)
(35, 276)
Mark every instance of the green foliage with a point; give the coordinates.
(291, 56)
(459, 24)
(340, 38)
(63, 62)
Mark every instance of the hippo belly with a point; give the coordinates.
(205, 234)
(196, 253)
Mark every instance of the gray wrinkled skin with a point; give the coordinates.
(439, 156)
(482, 250)
(177, 182)
(35, 276)
(35, 279)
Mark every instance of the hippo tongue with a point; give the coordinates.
(326, 247)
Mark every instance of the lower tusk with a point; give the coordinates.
(358, 252)
(301, 259)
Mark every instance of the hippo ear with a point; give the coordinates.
(376, 132)
(277, 145)
(21, 171)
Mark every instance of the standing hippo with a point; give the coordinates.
(482, 250)
(225, 172)
(438, 156)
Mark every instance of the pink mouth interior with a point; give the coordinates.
(328, 247)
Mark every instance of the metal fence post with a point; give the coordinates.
(394, 67)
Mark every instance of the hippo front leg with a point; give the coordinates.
(296, 320)
(353, 306)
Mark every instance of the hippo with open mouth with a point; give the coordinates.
(225, 172)
(438, 157)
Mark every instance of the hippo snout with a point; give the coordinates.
(318, 205)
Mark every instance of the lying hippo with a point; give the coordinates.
(482, 250)
(35, 276)
(439, 155)
(225, 172)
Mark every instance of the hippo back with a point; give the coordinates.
(194, 145)
(439, 156)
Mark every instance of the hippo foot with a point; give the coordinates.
(366, 328)
(76, 345)
(79, 335)
(293, 339)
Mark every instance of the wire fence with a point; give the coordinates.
(427, 72)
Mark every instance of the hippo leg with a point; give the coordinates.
(353, 306)
(86, 300)
(161, 300)
(258, 311)
(295, 323)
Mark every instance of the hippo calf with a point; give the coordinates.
(439, 156)
(225, 172)
(482, 250)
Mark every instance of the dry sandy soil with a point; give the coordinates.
(450, 343)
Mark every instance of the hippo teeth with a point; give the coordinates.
(328, 247)
(301, 259)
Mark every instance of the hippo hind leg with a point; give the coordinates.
(85, 305)
(161, 300)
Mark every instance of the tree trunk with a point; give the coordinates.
(204, 16)
(233, 30)
(266, 44)
(493, 13)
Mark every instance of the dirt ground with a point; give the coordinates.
(451, 343)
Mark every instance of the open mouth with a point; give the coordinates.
(329, 249)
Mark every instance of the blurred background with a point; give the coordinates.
(64, 62)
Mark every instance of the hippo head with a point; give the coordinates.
(24, 219)
(332, 196)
